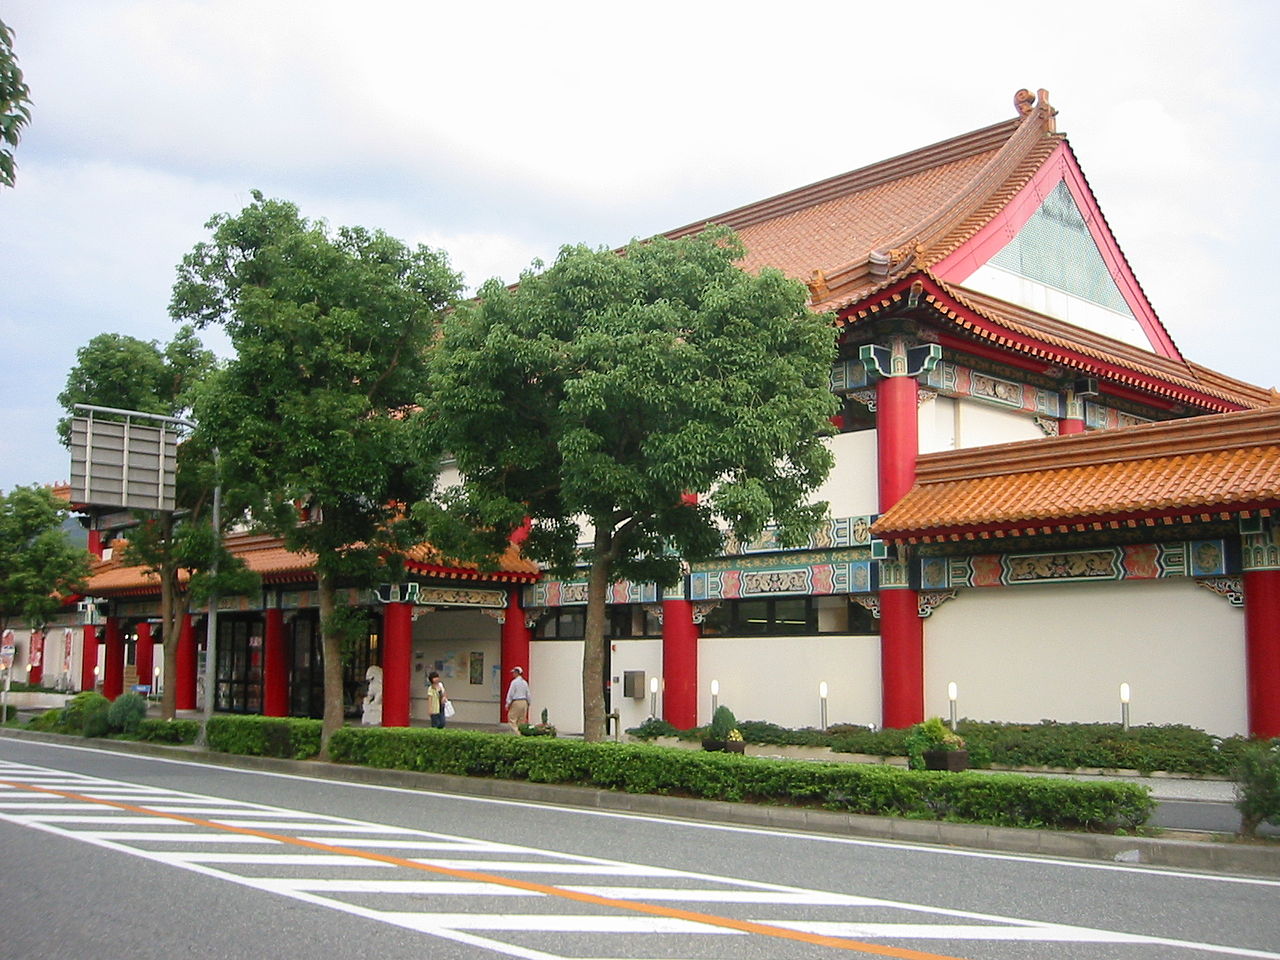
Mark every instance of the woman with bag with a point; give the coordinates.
(438, 704)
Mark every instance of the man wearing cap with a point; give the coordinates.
(517, 700)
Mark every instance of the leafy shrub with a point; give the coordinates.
(288, 737)
(722, 723)
(932, 734)
(1257, 776)
(86, 714)
(51, 721)
(168, 731)
(1008, 800)
(652, 729)
(126, 713)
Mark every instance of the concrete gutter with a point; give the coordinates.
(1205, 852)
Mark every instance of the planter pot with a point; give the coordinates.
(946, 760)
(713, 745)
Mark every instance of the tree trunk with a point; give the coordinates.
(593, 638)
(331, 643)
(170, 624)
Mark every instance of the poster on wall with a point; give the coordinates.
(476, 669)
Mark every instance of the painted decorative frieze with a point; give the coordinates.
(1098, 417)
(954, 380)
(848, 375)
(788, 574)
(569, 593)
(832, 533)
(1146, 561)
(1260, 543)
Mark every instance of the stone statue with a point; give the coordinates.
(372, 715)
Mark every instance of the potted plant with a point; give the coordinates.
(723, 734)
(543, 729)
(933, 746)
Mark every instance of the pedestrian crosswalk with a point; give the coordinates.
(513, 900)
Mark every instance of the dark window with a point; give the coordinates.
(789, 617)
(855, 416)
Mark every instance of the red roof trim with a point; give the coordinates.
(957, 266)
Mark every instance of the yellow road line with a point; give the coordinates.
(635, 906)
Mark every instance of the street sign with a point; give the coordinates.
(127, 460)
(6, 650)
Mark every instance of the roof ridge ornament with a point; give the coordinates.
(1025, 104)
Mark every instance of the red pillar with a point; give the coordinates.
(95, 543)
(35, 658)
(1069, 425)
(897, 437)
(1262, 650)
(89, 658)
(515, 645)
(397, 663)
(901, 658)
(145, 657)
(185, 692)
(679, 664)
(901, 630)
(275, 668)
(113, 653)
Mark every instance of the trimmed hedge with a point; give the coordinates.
(286, 737)
(168, 731)
(1173, 747)
(995, 799)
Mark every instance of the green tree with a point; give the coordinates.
(15, 105)
(39, 566)
(114, 370)
(330, 331)
(597, 395)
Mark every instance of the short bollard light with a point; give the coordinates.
(715, 696)
(1124, 706)
(822, 701)
(952, 690)
(653, 697)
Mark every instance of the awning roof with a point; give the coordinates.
(1184, 471)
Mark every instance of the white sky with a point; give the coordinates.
(499, 131)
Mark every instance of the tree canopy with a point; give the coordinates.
(330, 331)
(39, 565)
(15, 105)
(116, 370)
(605, 391)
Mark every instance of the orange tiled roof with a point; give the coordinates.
(1191, 470)
(847, 234)
(267, 556)
(853, 236)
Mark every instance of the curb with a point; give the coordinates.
(1206, 855)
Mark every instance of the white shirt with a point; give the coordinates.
(519, 689)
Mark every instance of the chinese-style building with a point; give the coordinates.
(1036, 498)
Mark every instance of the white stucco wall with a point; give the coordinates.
(445, 640)
(1061, 651)
(851, 487)
(776, 678)
(981, 424)
(555, 683)
(627, 655)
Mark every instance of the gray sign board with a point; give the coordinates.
(123, 463)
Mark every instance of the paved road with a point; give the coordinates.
(132, 857)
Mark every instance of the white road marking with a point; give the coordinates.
(462, 926)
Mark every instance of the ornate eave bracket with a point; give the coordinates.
(900, 358)
(930, 600)
(870, 602)
(1230, 589)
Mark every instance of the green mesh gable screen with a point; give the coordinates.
(1055, 248)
